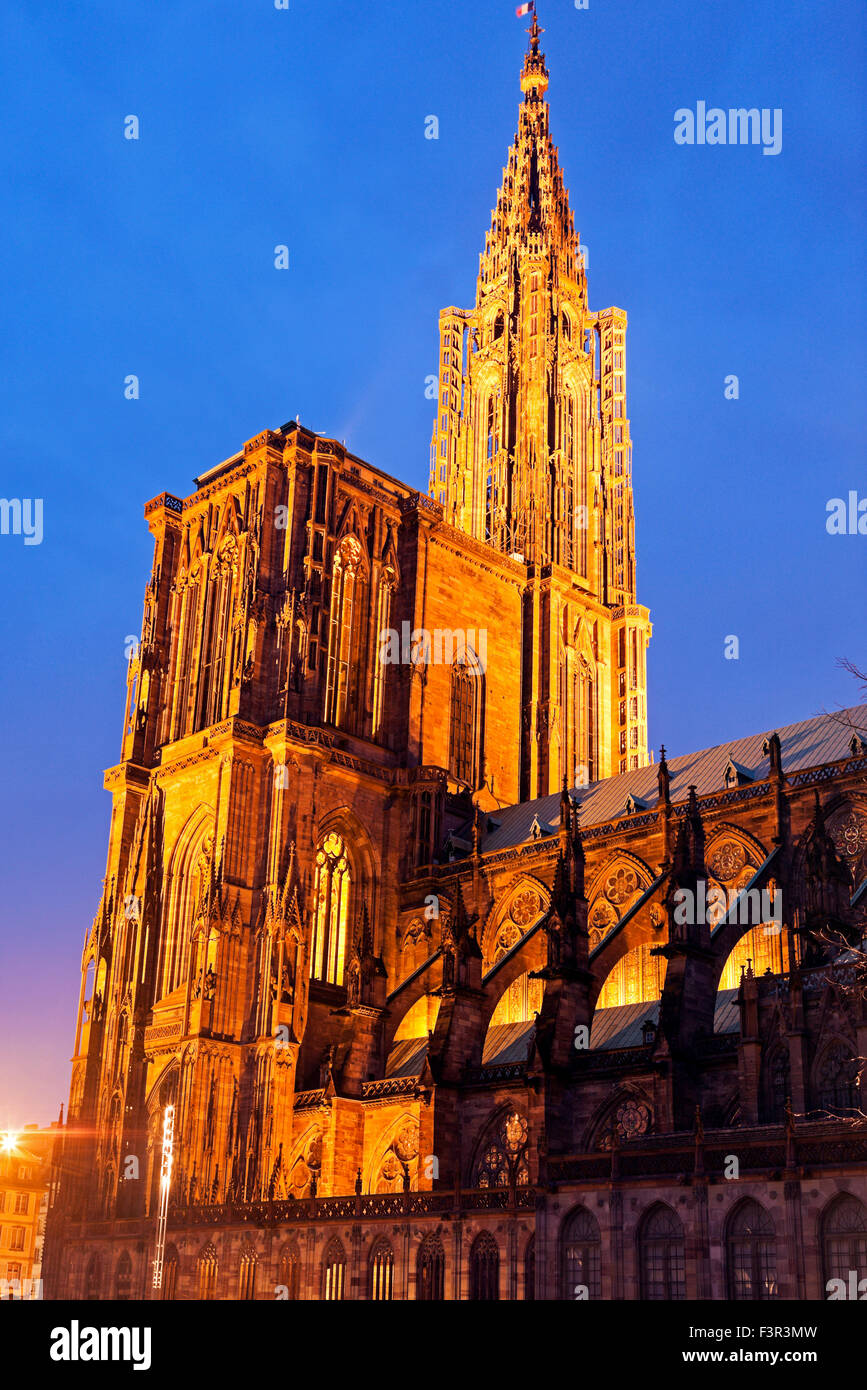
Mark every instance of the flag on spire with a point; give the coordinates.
(524, 9)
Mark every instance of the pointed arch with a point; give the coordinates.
(185, 879)
(500, 1158)
(751, 1253)
(289, 1271)
(580, 1256)
(430, 1270)
(661, 1255)
(843, 1232)
(467, 720)
(380, 1272)
(207, 1272)
(345, 665)
(334, 1271)
(123, 1277)
(484, 1269)
(835, 1077)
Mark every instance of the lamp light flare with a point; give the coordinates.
(165, 1185)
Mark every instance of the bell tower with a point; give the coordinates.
(531, 454)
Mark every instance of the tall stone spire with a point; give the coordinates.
(531, 454)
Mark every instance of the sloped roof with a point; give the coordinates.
(809, 743)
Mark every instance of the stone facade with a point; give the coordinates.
(428, 1026)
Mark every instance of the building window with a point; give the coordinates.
(381, 1273)
(530, 1271)
(661, 1256)
(581, 1256)
(344, 636)
(289, 1272)
(844, 1239)
(330, 899)
(430, 1270)
(464, 723)
(22, 1202)
(207, 1269)
(247, 1275)
(17, 1236)
(93, 1279)
(502, 1157)
(123, 1278)
(484, 1269)
(777, 1086)
(837, 1078)
(751, 1256)
(169, 1285)
(334, 1273)
(383, 624)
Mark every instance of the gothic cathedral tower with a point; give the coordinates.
(531, 454)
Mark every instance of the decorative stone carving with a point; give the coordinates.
(727, 861)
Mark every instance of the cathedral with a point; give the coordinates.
(443, 986)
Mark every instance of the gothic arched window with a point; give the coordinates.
(330, 905)
(380, 1272)
(502, 1157)
(837, 1079)
(661, 1256)
(123, 1278)
(247, 1274)
(207, 1269)
(289, 1272)
(430, 1270)
(343, 686)
(777, 1085)
(530, 1271)
(844, 1239)
(169, 1283)
(484, 1269)
(465, 734)
(582, 1277)
(383, 624)
(751, 1253)
(334, 1272)
(93, 1278)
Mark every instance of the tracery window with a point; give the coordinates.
(207, 1269)
(247, 1274)
(661, 1256)
(751, 1255)
(330, 902)
(837, 1079)
(123, 1278)
(381, 1273)
(334, 1272)
(503, 1156)
(93, 1278)
(383, 623)
(464, 723)
(484, 1269)
(581, 1256)
(169, 1283)
(289, 1272)
(777, 1085)
(430, 1270)
(844, 1239)
(344, 639)
(530, 1271)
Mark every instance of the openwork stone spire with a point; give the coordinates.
(531, 449)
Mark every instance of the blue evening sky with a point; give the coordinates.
(306, 127)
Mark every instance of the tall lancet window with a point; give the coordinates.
(383, 623)
(347, 593)
(465, 721)
(489, 471)
(330, 903)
